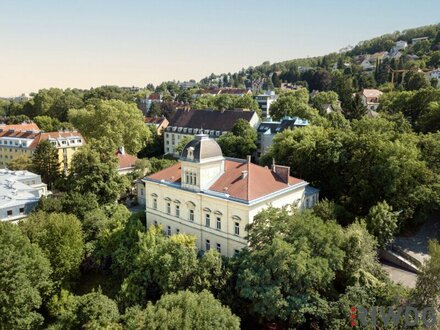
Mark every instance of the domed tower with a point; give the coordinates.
(202, 163)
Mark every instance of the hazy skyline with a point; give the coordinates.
(83, 44)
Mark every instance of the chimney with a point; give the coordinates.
(248, 159)
(283, 172)
(122, 150)
(244, 174)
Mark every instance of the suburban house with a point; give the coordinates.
(23, 141)
(435, 74)
(161, 123)
(214, 198)
(416, 40)
(366, 64)
(126, 162)
(370, 98)
(145, 103)
(20, 192)
(267, 130)
(212, 122)
(264, 102)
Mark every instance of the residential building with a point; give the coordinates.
(20, 192)
(21, 127)
(370, 98)
(366, 64)
(161, 123)
(145, 103)
(400, 45)
(435, 74)
(267, 130)
(212, 122)
(416, 40)
(215, 198)
(126, 162)
(264, 102)
(15, 142)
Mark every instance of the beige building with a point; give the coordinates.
(214, 198)
(21, 140)
(214, 123)
(370, 98)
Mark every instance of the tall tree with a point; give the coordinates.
(60, 237)
(116, 122)
(183, 310)
(356, 108)
(46, 163)
(24, 282)
(240, 142)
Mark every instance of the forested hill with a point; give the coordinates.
(424, 54)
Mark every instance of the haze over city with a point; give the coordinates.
(84, 44)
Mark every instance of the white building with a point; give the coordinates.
(416, 40)
(20, 192)
(215, 198)
(370, 98)
(214, 123)
(267, 130)
(435, 74)
(264, 102)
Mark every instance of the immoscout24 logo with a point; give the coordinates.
(388, 316)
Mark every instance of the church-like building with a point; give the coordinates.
(214, 198)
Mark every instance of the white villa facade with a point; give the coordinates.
(214, 198)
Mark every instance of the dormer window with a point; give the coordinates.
(191, 153)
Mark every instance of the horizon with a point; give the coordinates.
(83, 45)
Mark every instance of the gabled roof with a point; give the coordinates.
(126, 161)
(210, 119)
(154, 120)
(257, 183)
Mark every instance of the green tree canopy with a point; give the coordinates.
(60, 237)
(183, 310)
(45, 162)
(24, 281)
(116, 122)
(240, 142)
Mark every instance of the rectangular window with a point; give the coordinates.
(169, 230)
(178, 211)
(9, 213)
(21, 210)
(237, 228)
(191, 215)
(208, 245)
(219, 248)
(169, 208)
(207, 220)
(155, 203)
(219, 223)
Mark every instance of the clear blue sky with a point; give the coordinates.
(85, 43)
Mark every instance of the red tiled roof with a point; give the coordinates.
(154, 96)
(372, 93)
(21, 127)
(259, 181)
(126, 160)
(19, 133)
(154, 120)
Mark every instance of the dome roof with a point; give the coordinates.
(201, 148)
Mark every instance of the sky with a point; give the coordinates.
(89, 43)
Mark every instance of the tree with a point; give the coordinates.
(382, 223)
(183, 310)
(60, 237)
(20, 162)
(321, 80)
(116, 122)
(293, 103)
(415, 81)
(293, 260)
(45, 163)
(24, 282)
(182, 143)
(94, 171)
(429, 120)
(240, 142)
(328, 97)
(157, 164)
(162, 265)
(427, 292)
(356, 109)
(93, 310)
(276, 80)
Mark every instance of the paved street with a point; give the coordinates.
(400, 275)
